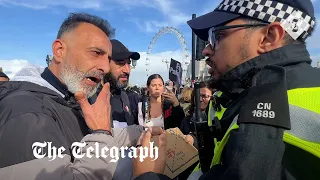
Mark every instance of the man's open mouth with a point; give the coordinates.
(94, 79)
(124, 77)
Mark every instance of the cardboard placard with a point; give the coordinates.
(180, 155)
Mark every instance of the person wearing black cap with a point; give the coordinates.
(3, 76)
(258, 59)
(120, 65)
(122, 113)
(118, 78)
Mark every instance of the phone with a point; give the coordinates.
(165, 89)
(174, 90)
(168, 88)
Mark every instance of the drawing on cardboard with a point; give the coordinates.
(180, 155)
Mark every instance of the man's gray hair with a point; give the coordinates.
(75, 19)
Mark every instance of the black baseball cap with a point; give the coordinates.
(228, 11)
(2, 74)
(120, 52)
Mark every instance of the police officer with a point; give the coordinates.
(215, 111)
(259, 60)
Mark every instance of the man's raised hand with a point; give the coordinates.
(97, 115)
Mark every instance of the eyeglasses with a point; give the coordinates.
(204, 96)
(214, 38)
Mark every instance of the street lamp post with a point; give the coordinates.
(133, 64)
(49, 59)
(167, 62)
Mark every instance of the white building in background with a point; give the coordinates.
(318, 64)
(201, 70)
(49, 59)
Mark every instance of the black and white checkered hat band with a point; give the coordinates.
(295, 22)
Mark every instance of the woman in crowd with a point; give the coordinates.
(160, 107)
(185, 98)
(206, 93)
(187, 125)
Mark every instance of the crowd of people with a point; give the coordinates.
(261, 105)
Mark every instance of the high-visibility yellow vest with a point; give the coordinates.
(304, 105)
(211, 115)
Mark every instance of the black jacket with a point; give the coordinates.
(256, 150)
(32, 113)
(187, 124)
(44, 111)
(128, 112)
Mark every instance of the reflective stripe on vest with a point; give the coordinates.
(212, 113)
(304, 105)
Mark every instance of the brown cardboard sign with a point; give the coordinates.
(180, 155)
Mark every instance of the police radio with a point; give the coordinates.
(202, 132)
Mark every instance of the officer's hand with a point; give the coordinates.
(189, 139)
(169, 95)
(149, 164)
(97, 115)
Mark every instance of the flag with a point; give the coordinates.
(175, 73)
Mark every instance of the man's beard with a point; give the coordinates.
(115, 82)
(243, 56)
(72, 78)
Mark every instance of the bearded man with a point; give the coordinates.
(121, 111)
(42, 109)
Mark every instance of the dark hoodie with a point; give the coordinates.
(26, 108)
(38, 112)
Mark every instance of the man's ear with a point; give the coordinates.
(272, 38)
(59, 50)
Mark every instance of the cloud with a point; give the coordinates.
(148, 26)
(44, 4)
(209, 6)
(11, 67)
(169, 9)
(313, 42)
(129, 4)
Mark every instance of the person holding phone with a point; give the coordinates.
(160, 107)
